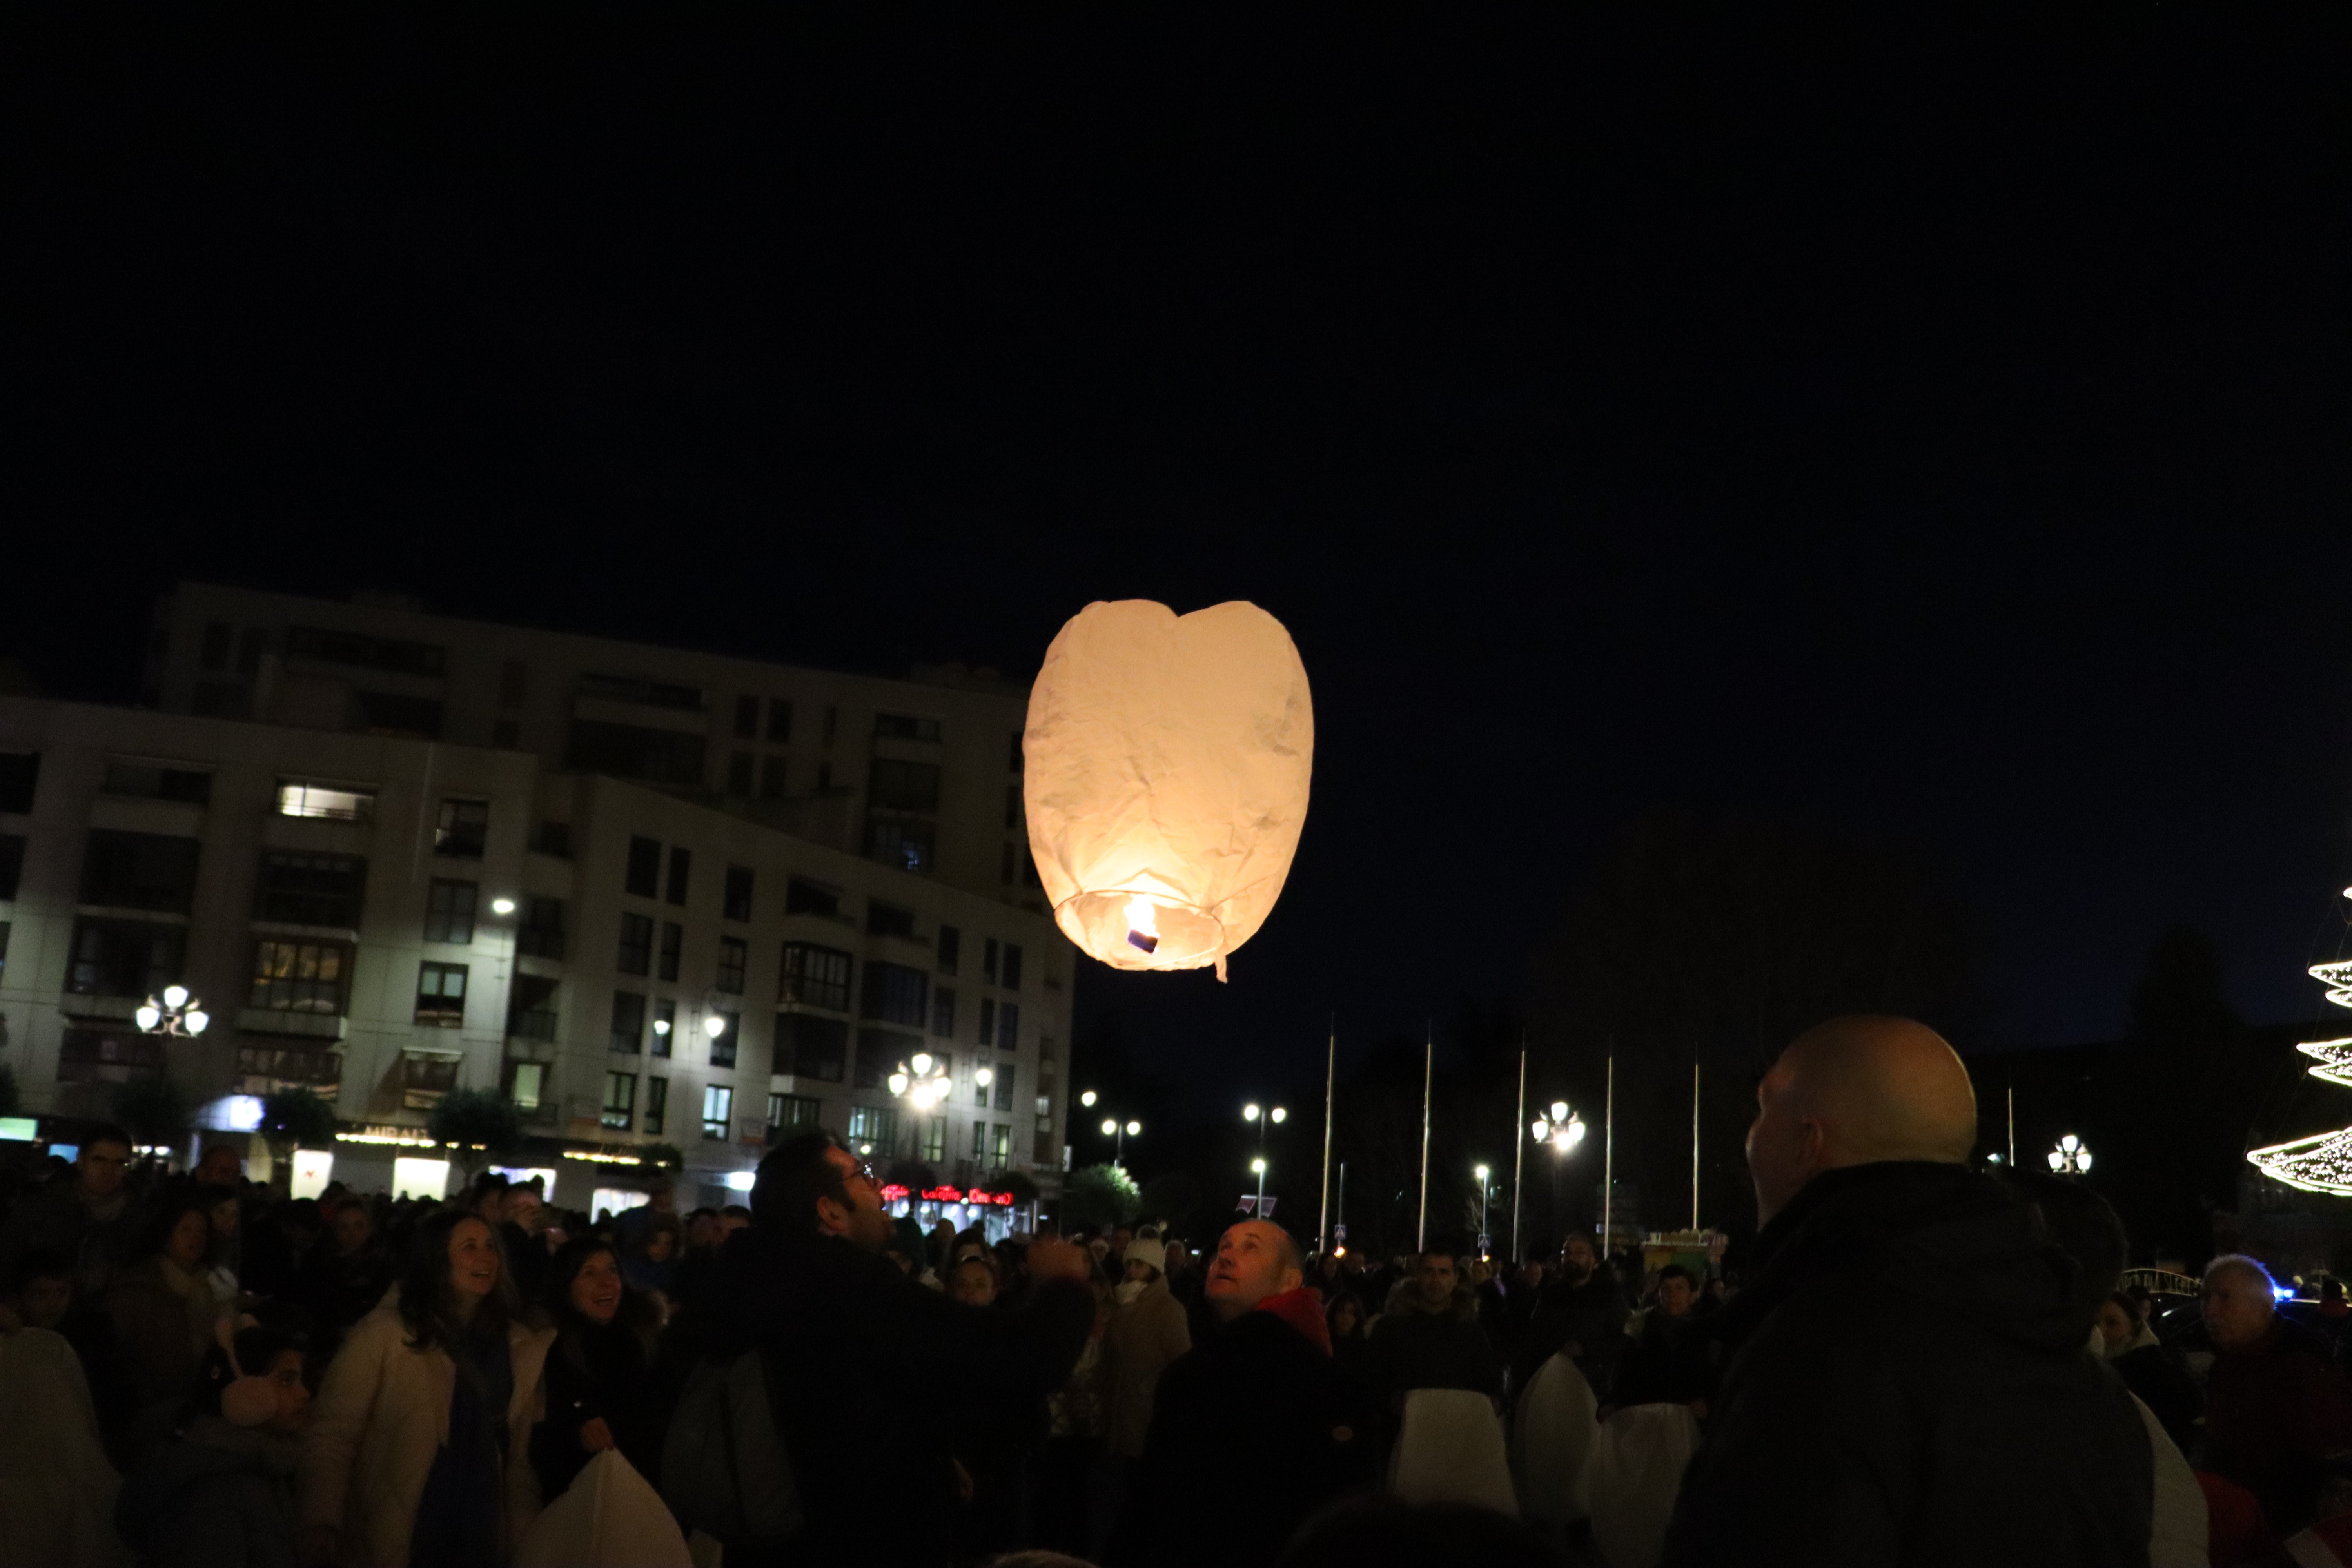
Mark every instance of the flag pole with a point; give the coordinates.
(1693, 1148)
(1608, 1160)
(1330, 1074)
(1428, 1065)
(1520, 1146)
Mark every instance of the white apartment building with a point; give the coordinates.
(385, 916)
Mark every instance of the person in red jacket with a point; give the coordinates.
(2275, 1406)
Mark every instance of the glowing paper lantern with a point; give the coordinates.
(1167, 766)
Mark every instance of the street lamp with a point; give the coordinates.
(1483, 1173)
(179, 1015)
(1258, 1165)
(502, 906)
(918, 1085)
(2071, 1157)
(1262, 1118)
(1119, 1134)
(1087, 1098)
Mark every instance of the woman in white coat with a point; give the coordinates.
(420, 1440)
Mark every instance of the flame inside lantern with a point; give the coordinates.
(1141, 931)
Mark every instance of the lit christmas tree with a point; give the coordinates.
(2322, 1162)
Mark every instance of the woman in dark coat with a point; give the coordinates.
(2149, 1368)
(601, 1389)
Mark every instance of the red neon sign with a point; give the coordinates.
(974, 1196)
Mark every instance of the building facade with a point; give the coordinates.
(375, 902)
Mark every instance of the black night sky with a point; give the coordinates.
(1936, 434)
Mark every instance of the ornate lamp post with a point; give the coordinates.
(178, 1015)
(2071, 1157)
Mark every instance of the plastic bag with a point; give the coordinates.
(610, 1517)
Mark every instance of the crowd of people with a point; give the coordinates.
(1924, 1364)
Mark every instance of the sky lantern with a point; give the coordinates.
(1167, 762)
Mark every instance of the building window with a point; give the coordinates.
(747, 717)
(92, 1055)
(943, 1012)
(139, 871)
(512, 678)
(462, 829)
(950, 949)
(780, 720)
(656, 1103)
(988, 1020)
(441, 994)
(12, 863)
(311, 890)
(825, 775)
(895, 993)
(905, 727)
(935, 1138)
(553, 838)
(620, 1101)
(681, 861)
(788, 1113)
(1004, 1072)
(141, 780)
(803, 896)
(20, 774)
(396, 714)
(775, 775)
(980, 1139)
(673, 944)
(736, 903)
(449, 910)
(1008, 1027)
(814, 976)
(888, 920)
(979, 1094)
(315, 1067)
(722, 1045)
(628, 1034)
(300, 976)
(644, 878)
(812, 1046)
(531, 1009)
(665, 1025)
(425, 1076)
(251, 643)
(896, 786)
(987, 961)
(1010, 975)
(4, 950)
(221, 699)
(525, 1084)
(214, 654)
(879, 1051)
(334, 803)
(366, 652)
(871, 1129)
(540, 935)
(1001, 1146)
(651, 693)
(897, 842)
(634, 752)
(733, 958)
(718, 1109)
(636, 954)
(739, 774)
(125, 958)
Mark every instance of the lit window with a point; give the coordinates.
(528, 1078)
(620, 1100)
(340, 804)
(717, 1108)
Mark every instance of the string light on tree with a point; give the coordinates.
(2323, 1162)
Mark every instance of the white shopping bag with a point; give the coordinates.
(1451, 1450)
(57, 1490)
(610, 1517)
(1558, 1422)
(1637, 1469)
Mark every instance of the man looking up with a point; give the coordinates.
(1253, 1429)
(2275, 1406)
(91, 1220)
(1906, 1378)
(867, 1369)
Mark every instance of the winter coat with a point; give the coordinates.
(218, 1496)
(97, 1237)
(871, 1376)
(1589, 1314)
(596, 1374)
(163, 1325)
(341, 1288)
(2152, 1370)
(1907, 1382)
(2273, 1411)
(382, 1416)
(1253, 1429)
(1413, 1347)
(1143, 1337)
(1667, 1361)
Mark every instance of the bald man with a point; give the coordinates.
(1905, 1379)
(1253, 1429)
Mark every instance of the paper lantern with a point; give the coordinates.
(1167, 761)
